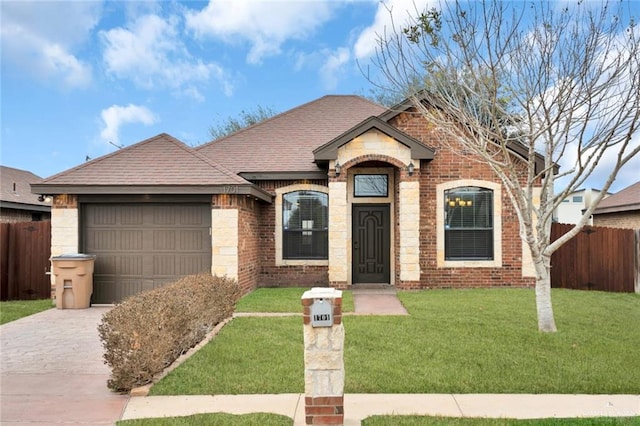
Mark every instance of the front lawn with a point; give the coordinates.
(457, 421)
(454, 341)
(16, 309)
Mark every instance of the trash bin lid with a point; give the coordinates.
(74, 256)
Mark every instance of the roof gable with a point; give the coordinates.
(329, 151)
(285, 142)
(406, 105)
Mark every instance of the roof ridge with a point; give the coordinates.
(208, 161)
(106, 156)
(282, 114)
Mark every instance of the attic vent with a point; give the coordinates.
(14, 187)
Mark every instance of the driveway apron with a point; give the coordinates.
(52, 371)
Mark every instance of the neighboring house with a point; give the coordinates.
(339, 191)
(570, 211)
(17, 203)
(620, 210)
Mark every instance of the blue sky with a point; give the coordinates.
(77, 75)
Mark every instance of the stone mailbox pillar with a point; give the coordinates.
(323, 356)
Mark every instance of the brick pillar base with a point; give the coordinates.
(324, 410)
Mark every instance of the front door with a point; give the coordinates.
(371, 247)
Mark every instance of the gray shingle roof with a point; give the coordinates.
(285, 142)
(624, 200)
(160, 160)
(22, 192)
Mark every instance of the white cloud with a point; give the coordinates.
(334, 67)
(116, 116)
(40, 38)
(151, 54)
(264, 25)
(367, 42)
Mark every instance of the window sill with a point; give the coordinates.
(302, 262)
(471, 264)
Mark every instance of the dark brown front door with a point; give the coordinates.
(371, 245)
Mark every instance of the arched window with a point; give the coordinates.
(468, 223)
(305, 225)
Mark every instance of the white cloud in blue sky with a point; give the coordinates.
(150, 53)
(265, 26)
(42, 39)
(116, 116)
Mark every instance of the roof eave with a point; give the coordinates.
(231, 189)
(617, 209)
(252, 176)
(22, 206)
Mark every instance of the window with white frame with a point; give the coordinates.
(468, 223)
(305, 225)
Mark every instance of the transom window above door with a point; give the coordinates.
(371, 185)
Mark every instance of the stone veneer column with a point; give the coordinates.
(409, 231)
(323, 360)
(224, 242)
(64, 229)
(338, 242)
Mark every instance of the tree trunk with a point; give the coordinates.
(546, 321)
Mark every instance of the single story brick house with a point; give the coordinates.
(336, 192)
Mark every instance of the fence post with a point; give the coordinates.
(636, 285)
(323, 356)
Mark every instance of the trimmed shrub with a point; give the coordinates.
(147, 332)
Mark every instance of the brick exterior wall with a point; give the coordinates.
(628, 220)
(446, 167)
(449, 166)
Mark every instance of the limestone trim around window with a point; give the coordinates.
(280, 261)
(497, 225)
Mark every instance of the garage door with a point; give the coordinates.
(143, 246)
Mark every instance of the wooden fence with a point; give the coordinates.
(25, 249)
(598, 258)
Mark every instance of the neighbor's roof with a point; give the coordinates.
(285, 142)
(15, 190)
(627, 199)
(161, 164)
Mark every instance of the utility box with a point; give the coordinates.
(73, 280)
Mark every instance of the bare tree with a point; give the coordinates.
(245, 118)
(554, 79)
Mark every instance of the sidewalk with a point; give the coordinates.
(360, 406)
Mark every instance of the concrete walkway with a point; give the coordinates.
(360, 406)
(51, 371)
(381, 301)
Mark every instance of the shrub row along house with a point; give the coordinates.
(339, 191)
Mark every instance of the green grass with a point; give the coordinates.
(456, 421)
(454, 341)
(213, 419)
(282, 300)
(16, 309)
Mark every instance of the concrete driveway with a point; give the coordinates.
(52, 371)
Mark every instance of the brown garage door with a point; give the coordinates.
(143, 246)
